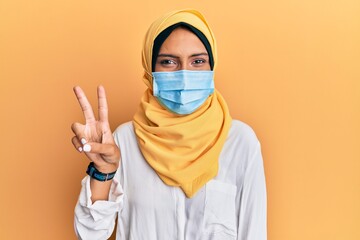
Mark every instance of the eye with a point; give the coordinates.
(199, 61)
(167, 62)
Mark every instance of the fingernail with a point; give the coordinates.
(80, 149)
(87, 148)
(83, 141)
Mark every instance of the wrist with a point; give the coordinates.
(107, 168)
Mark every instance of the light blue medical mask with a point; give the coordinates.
(184, 91)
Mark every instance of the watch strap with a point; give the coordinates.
(96, 174)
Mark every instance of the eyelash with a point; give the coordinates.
(167, 62)
(199, 61)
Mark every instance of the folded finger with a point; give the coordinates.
(77, 144)
(78, 130)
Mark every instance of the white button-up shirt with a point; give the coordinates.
(232, 206)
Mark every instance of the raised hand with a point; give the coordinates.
(95, 138)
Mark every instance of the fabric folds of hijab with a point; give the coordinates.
(182, 150)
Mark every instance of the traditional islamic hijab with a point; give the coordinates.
(182, 149)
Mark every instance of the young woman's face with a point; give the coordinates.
(182, 50)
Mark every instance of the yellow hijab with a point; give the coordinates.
(183, 150)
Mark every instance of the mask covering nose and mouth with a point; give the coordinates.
(183, 92)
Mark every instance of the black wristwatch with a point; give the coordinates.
(96, 174)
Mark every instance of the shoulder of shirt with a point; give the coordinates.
(244, 143)
(124, 128)
(241, 131)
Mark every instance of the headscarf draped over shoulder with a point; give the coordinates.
(182, 149)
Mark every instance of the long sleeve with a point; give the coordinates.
(252, 217)
(97, 220)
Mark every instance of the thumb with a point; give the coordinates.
(110, 152)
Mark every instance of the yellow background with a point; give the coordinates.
(288, 68)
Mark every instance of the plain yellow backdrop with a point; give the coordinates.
(290, 69)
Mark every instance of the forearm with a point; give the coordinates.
(95, 219)
(99, 190)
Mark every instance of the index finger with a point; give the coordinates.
(84, 104)
(102, 104)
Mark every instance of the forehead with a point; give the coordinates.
(182, 40)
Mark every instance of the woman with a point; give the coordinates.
(182, 169)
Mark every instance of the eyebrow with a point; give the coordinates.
(173, 56)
